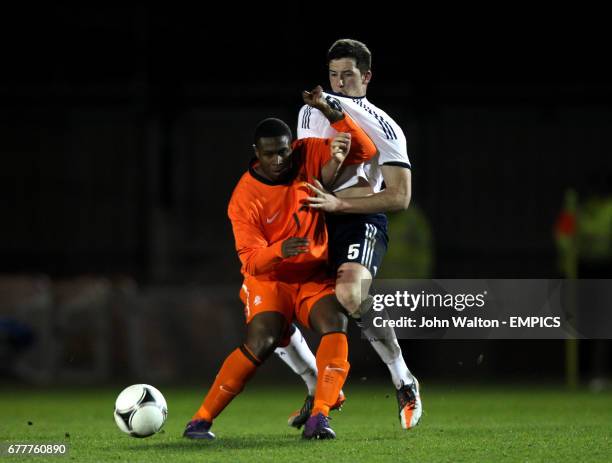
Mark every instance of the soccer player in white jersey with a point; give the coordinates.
(356, 221)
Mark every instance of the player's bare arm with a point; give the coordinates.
(340, 146)
(395, 197)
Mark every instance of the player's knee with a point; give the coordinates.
(333, 322)
(263, 346)
(350, 298)
(327, 316)
(264, 333)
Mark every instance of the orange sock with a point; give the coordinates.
(333, 368)
(237, 369)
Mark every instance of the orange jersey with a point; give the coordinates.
(264, 214)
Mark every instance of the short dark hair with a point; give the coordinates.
(349, 48)
(272, 127)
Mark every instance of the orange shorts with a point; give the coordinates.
(293, 300)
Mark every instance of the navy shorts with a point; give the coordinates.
(360, 238)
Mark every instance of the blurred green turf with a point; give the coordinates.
(492, 423)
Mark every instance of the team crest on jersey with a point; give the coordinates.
(257, 300)
(334, 103)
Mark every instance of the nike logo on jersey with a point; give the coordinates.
(271, 219)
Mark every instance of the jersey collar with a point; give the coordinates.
(345, 96)
(264, 180)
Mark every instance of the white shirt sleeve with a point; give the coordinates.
(393, 148)
(312, 123)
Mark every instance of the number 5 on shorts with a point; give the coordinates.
(353, 251)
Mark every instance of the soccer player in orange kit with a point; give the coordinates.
(282, 244)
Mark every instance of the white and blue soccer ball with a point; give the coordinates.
(140, 410)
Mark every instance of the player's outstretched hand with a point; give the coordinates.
(323, 200)
(294, 246)
(340, 146)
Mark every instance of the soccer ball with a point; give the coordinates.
(140, 410)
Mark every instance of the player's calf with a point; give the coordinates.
(384, 342)
(235, 372)
(333, 370)
(382, 338)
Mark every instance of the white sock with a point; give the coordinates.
(400, 374)
(385, 344)
(300, 359)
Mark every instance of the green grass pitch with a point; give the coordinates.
(467, 423)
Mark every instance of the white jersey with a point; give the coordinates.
(384, 132)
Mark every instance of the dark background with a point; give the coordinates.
(123, 130)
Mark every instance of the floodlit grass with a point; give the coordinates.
(492, 424)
